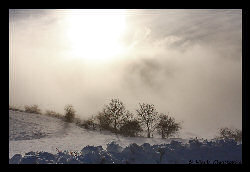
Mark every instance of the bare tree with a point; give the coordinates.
(115, 110)
(148, 116)
(167, 126)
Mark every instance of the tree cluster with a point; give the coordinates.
(117, 119)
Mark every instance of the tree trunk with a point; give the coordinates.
(162, 134)
(115, 126)
(148, 133)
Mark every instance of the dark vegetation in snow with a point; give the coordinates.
(219, 151)
(32, 109)
(224, 149)
(69, 113)
(116, 118)
(228, 133)
(13, 108)
(53, 114)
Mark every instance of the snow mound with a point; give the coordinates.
(221, 151)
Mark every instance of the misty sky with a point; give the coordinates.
(185, 62)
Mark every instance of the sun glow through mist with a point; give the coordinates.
(185, 62)
(95, 34)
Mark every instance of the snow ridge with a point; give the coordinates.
(194, 152)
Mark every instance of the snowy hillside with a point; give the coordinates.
(34, 132)
(35, 138)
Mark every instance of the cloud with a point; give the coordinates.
(221, 28)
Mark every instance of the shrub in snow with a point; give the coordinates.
(87, 124)
(130, 128)
(104, 121)
(69, 113)
(32, 109)
(228, 133)
(53, 114)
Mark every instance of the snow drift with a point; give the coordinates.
(209, 152)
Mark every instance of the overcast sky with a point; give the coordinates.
(185, 62)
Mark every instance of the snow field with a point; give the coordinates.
(41, 139)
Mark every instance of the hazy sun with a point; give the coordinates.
(95, 34)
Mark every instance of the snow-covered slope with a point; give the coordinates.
(34, 132)
(41, 139)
